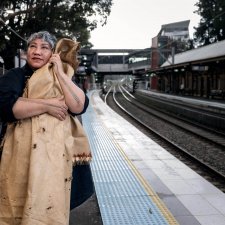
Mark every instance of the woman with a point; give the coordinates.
(43, 138)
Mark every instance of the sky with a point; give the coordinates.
(133, 23)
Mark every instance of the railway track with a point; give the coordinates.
(211, 135)
(198, 148)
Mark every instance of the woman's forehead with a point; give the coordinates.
(39, 41)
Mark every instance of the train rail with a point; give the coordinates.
(197, 150)
(211, 134)
(210, 118)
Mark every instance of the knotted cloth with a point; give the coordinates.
(39, 152)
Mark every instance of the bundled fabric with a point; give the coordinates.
(39, 152)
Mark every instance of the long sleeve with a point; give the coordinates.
(11, 88)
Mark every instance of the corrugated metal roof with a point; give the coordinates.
(202, 53)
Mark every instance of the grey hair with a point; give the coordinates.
(45, 36)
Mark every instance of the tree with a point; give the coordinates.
(69, 18)
(212, 23)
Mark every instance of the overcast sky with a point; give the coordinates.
(133, 23)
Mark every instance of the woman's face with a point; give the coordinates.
(38, 53)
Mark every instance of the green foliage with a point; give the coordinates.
(212, 23)
(69, 18)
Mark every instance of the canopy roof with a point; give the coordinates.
(205, 53)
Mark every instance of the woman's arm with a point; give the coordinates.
(74, 96)
(26, 107)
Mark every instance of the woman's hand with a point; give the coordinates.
(56, 61)
(57, 107)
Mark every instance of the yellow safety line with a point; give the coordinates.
(165, 211)
(160, 204)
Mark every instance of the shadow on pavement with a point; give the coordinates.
(87, 213)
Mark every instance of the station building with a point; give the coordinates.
(177, 70)
(197, 72)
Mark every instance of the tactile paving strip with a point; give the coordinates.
(122, 198)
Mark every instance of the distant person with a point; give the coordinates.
(43, 140)
(148, 86)
(182, 89)
(134, 86)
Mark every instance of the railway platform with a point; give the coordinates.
(137, 182)
(210, 104)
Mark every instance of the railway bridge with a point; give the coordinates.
(115, 61)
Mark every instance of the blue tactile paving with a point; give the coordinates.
(122, 198)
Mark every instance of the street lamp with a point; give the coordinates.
(5, 11)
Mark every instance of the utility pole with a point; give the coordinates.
(3, 65)
(173, 53)
(19, 57)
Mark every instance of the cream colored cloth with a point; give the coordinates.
(36, 165)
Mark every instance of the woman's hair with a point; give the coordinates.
(45, 36)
